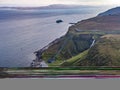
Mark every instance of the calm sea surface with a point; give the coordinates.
(23, 32)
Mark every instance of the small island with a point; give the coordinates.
(59, 21)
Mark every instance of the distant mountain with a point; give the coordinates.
(53, 6)
(113, 11)
(63, 6)
(45, 11)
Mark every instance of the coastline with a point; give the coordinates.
(38, 61)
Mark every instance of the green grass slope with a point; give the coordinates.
(74, 60)
(106, 52)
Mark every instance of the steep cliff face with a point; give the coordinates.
(69, 46)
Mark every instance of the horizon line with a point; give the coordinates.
(53, 4)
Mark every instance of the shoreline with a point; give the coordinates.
(38, 61)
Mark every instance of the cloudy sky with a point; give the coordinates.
(47, 2)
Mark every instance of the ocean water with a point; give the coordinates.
(22, 35)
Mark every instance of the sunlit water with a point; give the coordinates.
(19, 38)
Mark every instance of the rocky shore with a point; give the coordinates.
(38, 61)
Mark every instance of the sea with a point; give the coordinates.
(22, 32)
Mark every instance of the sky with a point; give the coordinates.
(48, 2)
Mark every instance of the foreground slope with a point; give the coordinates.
(106, 52)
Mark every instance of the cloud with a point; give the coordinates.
(47, 2)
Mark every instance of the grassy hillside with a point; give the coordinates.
(108, 23)
(106, 52)
(74, 60)
(74, 49)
